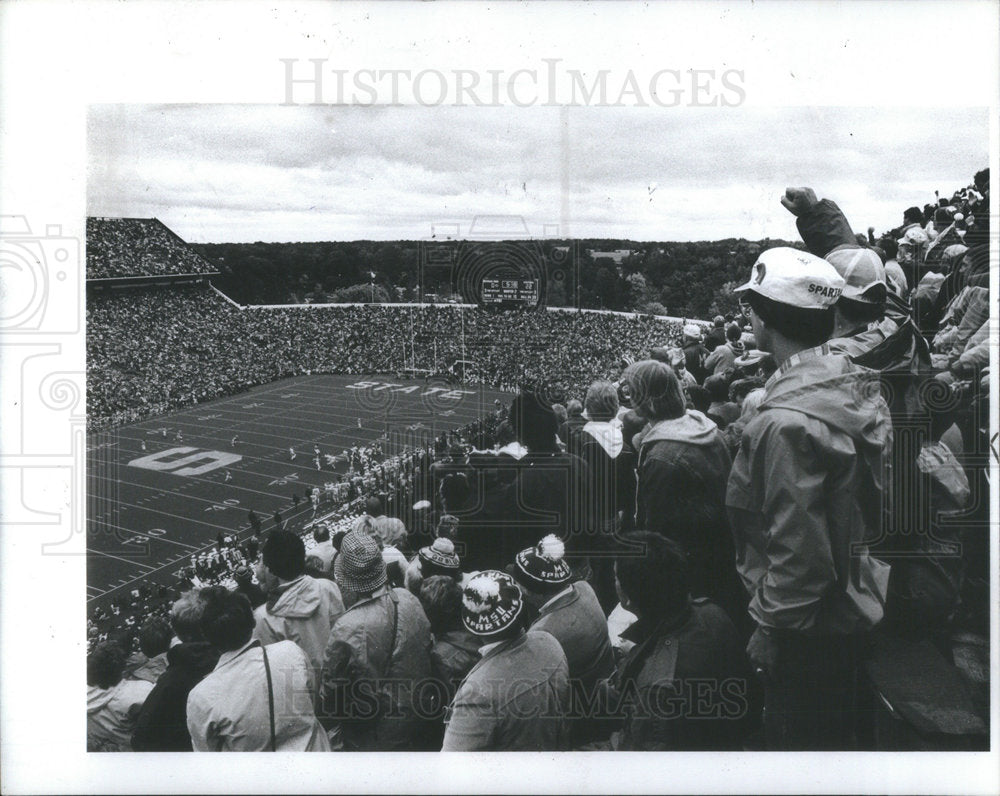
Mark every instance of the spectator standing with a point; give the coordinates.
(113, 704)
(679, 643)
(515, 698)
(805, 494)
(299, 608)
(571, 613)
(258, 698)
(380, 646)
(610, 489)
(682, 469)
(162, 722)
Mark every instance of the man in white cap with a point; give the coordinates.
(694, 351)
(804, 497)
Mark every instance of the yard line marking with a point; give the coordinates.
(119, 558)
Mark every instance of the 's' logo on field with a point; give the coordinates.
(166, 461)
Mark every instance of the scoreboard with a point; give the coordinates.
(509, 291)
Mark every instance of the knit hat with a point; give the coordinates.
(359, 567)
(543, 564)
(441, 555)
(794, 277)
(491, 603)
(693, 331)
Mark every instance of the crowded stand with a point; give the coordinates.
(137, 247)
(186, 345)
(763, 532)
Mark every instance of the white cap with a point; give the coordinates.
(795, 277)
(861, 269)
(693, 331)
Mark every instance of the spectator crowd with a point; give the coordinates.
(129, 247)
(742, 536)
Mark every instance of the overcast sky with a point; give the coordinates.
(217, 173)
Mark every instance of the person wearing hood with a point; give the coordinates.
(611, 486)
(805, 496)
(299, 608)
(682, 469)
(113, 704)
(162, 722)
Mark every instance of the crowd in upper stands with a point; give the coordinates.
(745, 538)
(187, 345)
(129, 247)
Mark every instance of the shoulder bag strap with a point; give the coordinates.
(395, 628)
(270, 698)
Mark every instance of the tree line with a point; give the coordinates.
(692, 279)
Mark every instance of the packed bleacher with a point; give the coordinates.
(137, 247)
(768, 533)
(187, 345)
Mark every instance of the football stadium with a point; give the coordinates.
(475, 514)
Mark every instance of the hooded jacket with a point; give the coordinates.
(682, 471)
(302, 610)
(805, 497)
(162, 723)
(112, 712)
(610, 466)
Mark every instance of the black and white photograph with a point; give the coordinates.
(429, 384)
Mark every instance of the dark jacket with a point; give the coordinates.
(694, 360)
(162, 722)
(611, 470)
(577, 622)
(683, 467)
(454, 653)
(517, 502)
(686, 685)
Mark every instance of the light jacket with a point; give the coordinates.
(577, 622)
(112, 714)
(228, 711)
(513, 700)
(303, 611)
(379, 649)
(805, 497)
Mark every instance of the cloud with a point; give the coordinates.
(258, 172)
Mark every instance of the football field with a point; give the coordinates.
(161, 490)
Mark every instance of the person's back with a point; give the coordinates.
(112, 713)
(230, 711)
(577, 621)
(162, 724)
(669, 662)
(299, 608)
(526, 713)
(302, 611)
(382, 639)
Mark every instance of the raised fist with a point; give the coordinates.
(798, 200)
